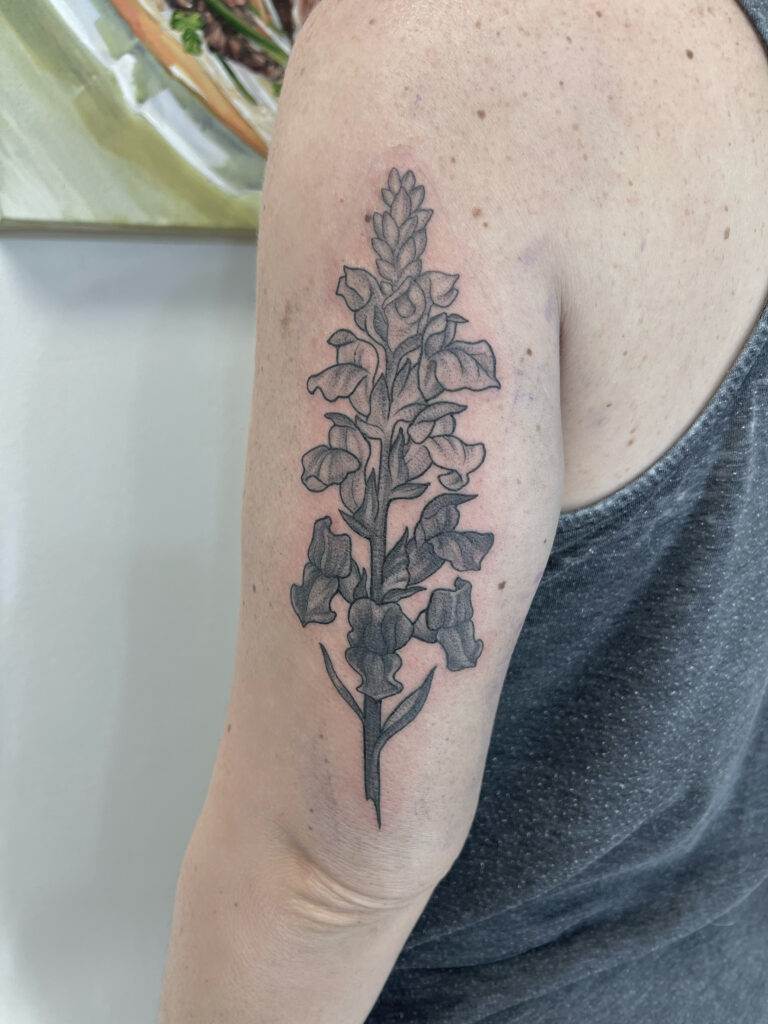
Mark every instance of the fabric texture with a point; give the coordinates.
(617, 869)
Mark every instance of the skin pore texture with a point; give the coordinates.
(597, 178)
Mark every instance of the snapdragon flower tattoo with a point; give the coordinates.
(398, 376)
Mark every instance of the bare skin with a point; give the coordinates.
(599, 186)
(668, 225)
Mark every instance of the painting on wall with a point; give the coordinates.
(153, 114)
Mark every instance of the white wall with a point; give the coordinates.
(125, 371)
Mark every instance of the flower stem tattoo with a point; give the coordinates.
(396, 441)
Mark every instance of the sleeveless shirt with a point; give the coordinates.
(617, 868)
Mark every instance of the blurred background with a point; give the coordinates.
(125, 375)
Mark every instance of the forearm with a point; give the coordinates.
(261, 935)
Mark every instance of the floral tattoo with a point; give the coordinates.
(398, 376)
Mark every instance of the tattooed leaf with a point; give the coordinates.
(417, 459)
(361, 590)
(370, 430)
(408, 491)
(467, 365)
(324, 466)
(369, 509)
(464, 549)
(341, 689)
(337, 381)
(352, 490)
(453, 454)
(400, 595)
(379, 413)
(398, 468)
(396, 565)
(426, 421)
(407, 400)
(422, 561)
(354, 524)
(406, 711)
(380, 323)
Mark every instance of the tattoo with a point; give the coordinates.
(397, 375)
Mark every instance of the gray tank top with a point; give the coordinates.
(617, 870)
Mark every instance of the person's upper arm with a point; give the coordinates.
(404, 467)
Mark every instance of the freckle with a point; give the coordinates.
(320, 736)
(727, 234)
(453, 159)
(599, 14)
(538, 428)
(568, 39)
(575, 126)
(689, 54)
(485, 223)
(253, 587)
(529, 351)
(633, 430)
(311, 810)
(229, 727)
(608, 405)
(235, 904)
(518, 480)
(630, 442)
(479, 23)
(502, 584)
(726, 207)
(481, 114)
(368, 218)
(624, 352)
(476, 211)
(372, 21)
(561, 84)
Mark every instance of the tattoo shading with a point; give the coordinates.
(396, 441)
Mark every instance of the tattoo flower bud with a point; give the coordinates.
(448, 622)
(355, 287)
(378, 631)
(330, 560)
